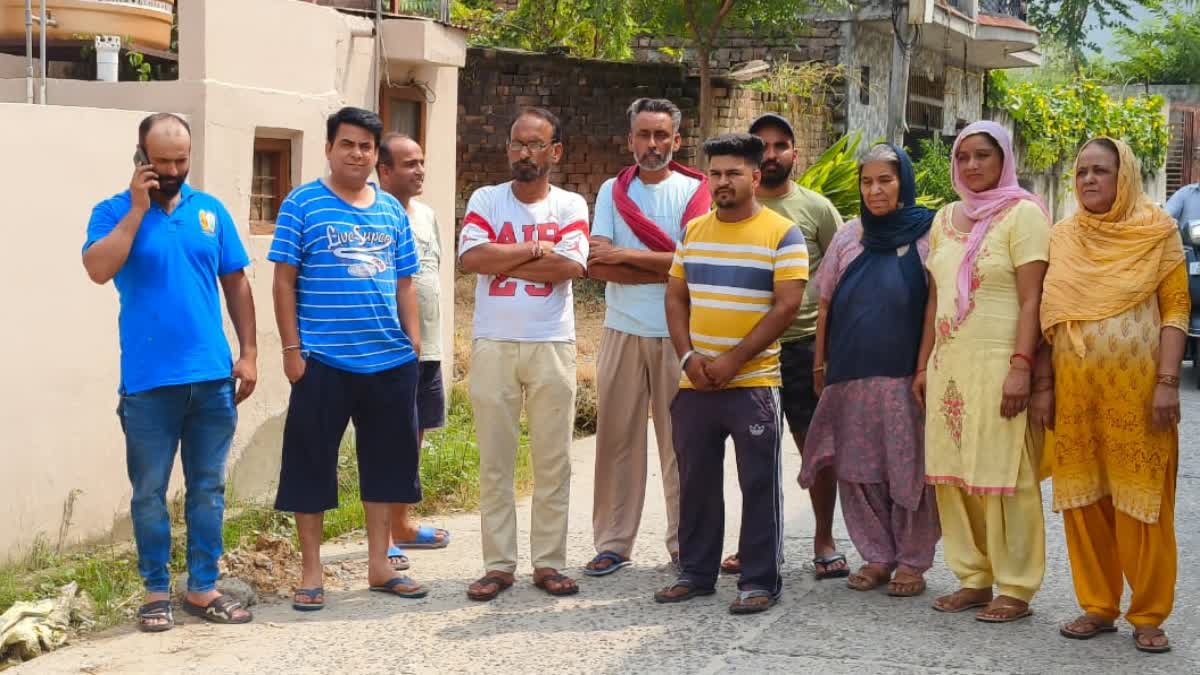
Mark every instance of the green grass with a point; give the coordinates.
(108, 571)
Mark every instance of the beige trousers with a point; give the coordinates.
(995, 539)
(542, 374)
(633, 374)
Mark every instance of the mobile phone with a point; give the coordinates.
(139, 157)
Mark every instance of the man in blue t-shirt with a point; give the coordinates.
(165, 246)
(348, 321)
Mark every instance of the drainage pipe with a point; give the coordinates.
(29, 51)
(42, 52)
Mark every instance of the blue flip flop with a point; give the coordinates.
(617, 563)
(311, 594)
(395, 553)
(427, 538)
(390, 588)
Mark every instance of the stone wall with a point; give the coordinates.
(818, 42)
(590, 97)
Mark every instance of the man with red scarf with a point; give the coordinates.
(639, 217)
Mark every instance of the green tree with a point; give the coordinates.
(1067, 20)
(598, 29)
(1164, 50)
(701, 23)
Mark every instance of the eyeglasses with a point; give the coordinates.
(532, 146)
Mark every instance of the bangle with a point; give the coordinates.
(683, 361)
(289, 348)
(819, 369)
(1168, 380)
(1021, 356)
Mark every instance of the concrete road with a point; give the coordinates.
(613, 625)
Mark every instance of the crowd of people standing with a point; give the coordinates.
(933, 367)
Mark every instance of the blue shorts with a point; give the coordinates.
(322, 404)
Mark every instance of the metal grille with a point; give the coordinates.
(926, 102)
(1183, 154)
(1015, 8)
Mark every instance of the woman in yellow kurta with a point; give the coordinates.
(986, 262)
(1115, 314)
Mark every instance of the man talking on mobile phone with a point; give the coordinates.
(165, 246)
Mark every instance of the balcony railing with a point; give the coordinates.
(438, 10)
(1014, 8)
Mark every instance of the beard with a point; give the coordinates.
(527, 172)
(775, 173)
(725, 199)
(169, 186)
(652, 161)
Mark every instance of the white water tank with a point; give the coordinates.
(108, 51)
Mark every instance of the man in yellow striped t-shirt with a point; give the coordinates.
(735, 286)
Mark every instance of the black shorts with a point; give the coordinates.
(431, 396)
(799, 399)
(322, 403)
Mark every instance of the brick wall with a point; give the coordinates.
(818, 42)
(590, 97)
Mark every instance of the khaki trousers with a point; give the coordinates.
(633, 374)
(543, 375)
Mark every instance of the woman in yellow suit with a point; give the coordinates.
(1115, 312)
(987, 257)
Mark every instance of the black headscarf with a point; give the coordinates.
(877, 310)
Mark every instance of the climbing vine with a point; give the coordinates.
(1055, 120)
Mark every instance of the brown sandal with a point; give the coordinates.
(500, 583)
(869, 577)
(916, 581)
(731, 565)
(1149, 633)
(1093, 625)
(955, 603)
(1006, 610)
(566, 585)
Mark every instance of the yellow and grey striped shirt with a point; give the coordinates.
(731, 270)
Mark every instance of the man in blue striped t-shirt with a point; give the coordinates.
(347, 314)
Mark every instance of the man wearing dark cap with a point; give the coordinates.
(818, 220)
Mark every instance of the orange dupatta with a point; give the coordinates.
(1104, 264)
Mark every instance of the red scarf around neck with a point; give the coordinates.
(646, 230)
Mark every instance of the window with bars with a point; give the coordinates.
(926, 102)
(270, 183)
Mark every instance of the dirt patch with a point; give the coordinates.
(272, 566)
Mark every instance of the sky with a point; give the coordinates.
(1103, 37)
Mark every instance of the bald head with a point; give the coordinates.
(401, 167)
(166, 139)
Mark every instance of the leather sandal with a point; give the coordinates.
(502, 584)
(1092, 626)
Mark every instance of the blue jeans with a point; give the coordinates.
(200, 419)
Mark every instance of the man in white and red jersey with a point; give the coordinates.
(527, 240)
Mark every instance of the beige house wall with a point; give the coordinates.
(271, 68)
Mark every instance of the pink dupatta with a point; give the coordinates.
(982, 208)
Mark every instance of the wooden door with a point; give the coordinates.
(1183, 156)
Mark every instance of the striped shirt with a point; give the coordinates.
(731, 270)
(349, 260)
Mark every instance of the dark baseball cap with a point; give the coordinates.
(772, 119)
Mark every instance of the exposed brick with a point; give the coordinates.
(590, 97)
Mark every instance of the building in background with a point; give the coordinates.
(256, 80)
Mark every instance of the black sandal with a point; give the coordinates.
(220, 610)
(664, 596)
(159, 610)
